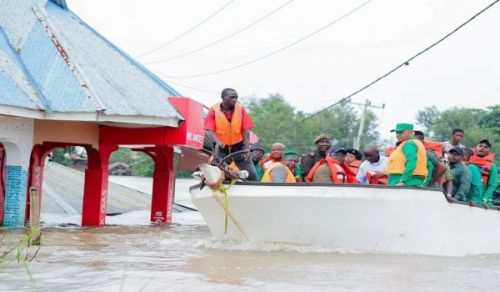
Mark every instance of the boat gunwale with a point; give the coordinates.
(308, 184)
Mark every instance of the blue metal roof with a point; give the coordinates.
(64, 66)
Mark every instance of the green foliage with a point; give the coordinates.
(427, 117)
(58, 156)
(478, 124)
(277, 121)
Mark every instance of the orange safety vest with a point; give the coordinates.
(354, 166)
(229, 132)
(373, 181)
(337, 173)
(397, 161)
(484, 165)
(267, 175)
(436, 147)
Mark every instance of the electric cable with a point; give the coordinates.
(187, 31)
(282, 48)
(225, 37)
(404, 63)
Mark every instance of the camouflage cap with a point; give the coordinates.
(323, 136)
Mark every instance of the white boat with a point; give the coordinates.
(357, 218)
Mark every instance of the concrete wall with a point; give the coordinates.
(68, 132)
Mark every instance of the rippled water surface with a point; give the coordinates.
(183, 257)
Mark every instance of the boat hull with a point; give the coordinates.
(350, 218)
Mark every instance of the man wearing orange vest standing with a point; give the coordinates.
(229, 124)
(407, 165)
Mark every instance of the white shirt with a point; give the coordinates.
(368, 166)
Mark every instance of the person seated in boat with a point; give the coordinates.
(475, 196)
(276, 155)
(435, 166)
(371, 171)
(228, 124)
(282, 172)
(407, 165)
(329, 169)
(462, 176)
(457, 135)
(292, 161)
(353, 160)
(323, 143)
(339, 155)
(257, 153)
(484, 159)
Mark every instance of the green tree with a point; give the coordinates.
(427, 117)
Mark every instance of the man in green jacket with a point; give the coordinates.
(407, 165)
(461, 174)
(257, 154)
(488, 169)
(476, 187)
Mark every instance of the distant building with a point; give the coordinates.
(120, 168)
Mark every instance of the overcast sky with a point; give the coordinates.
(462, 71)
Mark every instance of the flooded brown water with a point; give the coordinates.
(183, 257)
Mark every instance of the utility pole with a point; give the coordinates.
(366, 105)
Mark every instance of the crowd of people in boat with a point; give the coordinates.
(465, 174)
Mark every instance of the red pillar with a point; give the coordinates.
(95, 188)
(35, 175)
(163, 183)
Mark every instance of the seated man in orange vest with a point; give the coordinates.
(484, 159)
(328, 170)
(310, 159)
(407, 165)
(282, 172)
(276, 155)
(228, 124)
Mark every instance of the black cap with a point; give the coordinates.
(418, 133)
(458, 150)
(485, 141)
(355, 152)
(337, 150)
(256, 146)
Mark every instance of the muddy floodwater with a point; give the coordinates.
(131, 255)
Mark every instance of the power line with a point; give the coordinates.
(189, 85)
(187, 31)
(282, 48)
(404, 63)
(225, 37)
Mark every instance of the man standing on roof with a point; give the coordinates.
(310, 159)
(484, 159)
(407, 165)
(228, 124)
(456, 138)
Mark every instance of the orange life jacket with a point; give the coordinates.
(354, 166)
(397, 161)
(490, 157)
(436, 147)
(229, 132)
(337, 173)
(484, 165)
(289, 175)
(389, 151)
(376, 181)
(348, 172)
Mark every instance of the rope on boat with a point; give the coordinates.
(223, 189)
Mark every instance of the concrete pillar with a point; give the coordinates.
(2, 182)
(17, 139)
(95, 189)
